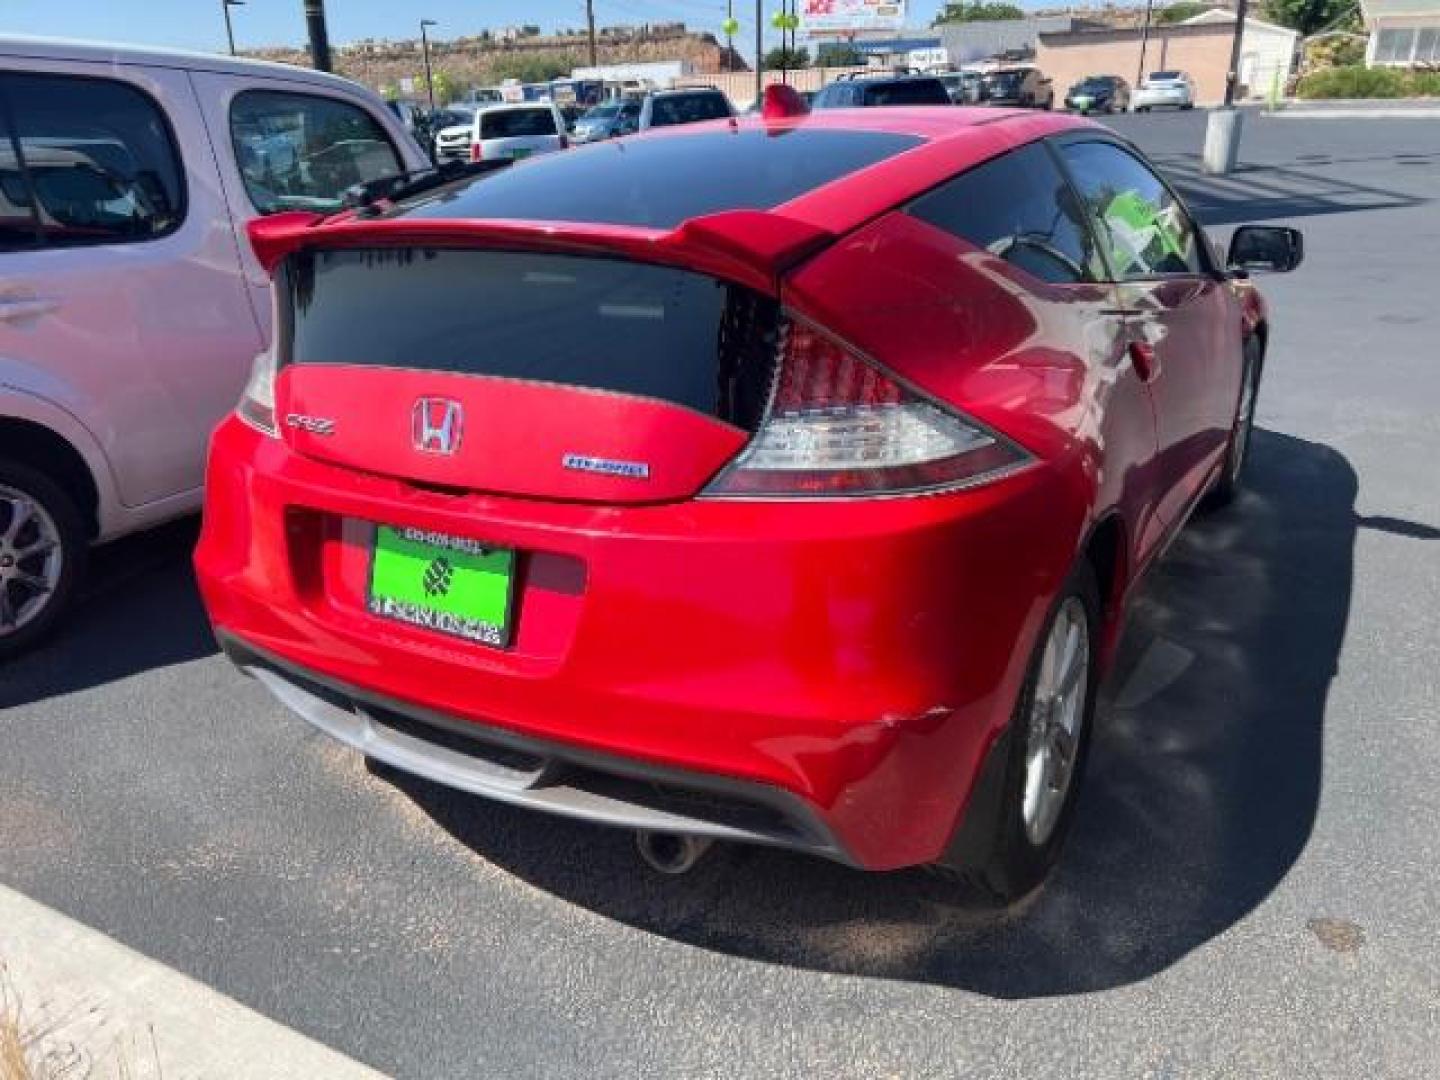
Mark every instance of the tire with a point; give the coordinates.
(1187, 108)
(1232, 475)
(42, 538)
(1027, 842)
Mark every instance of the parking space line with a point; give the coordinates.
(100, 1009)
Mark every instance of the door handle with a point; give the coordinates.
(18, 310)
(1143, 359)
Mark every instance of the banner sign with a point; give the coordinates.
(850, 16)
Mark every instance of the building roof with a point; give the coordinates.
(1216, 16)
(1377, 9)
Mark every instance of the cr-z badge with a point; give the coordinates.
(316, 425)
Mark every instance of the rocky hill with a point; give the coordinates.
(520, 53)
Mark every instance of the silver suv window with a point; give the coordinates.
(85, 161)
(301, 151)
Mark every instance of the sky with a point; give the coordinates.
(198, 24)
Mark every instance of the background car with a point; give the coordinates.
(608, 121)
(667, 108)
(962, 86)
(1167, 89)
(516, 131)
(1026, 87)
(648, 511)
(1099, 93)
(454, 127)
(131, 306)
(865, 91)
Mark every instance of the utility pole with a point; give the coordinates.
(1144, 41)
(225, 6)
(590, 23)
(425, 49)
(1232, 76)
(319, 36)
(759, 50)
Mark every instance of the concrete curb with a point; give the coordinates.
(93, 1003)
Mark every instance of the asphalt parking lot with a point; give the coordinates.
(1251, 888)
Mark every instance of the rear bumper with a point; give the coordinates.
(845, 668)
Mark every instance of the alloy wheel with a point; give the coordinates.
(31, 559)
(1244, 422)
(1057, 711)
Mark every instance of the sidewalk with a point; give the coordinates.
(1358, 108)
(91, 1007)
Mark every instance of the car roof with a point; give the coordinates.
(933, 144)
(512, 106)
(72, 49)
(686, 90)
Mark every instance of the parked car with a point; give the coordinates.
(767, 482)
(516, 131)
(667, 108)
(454, 128)
(130, 305)
(1099, 93)
(1026, 87)
(1170, 89)
(962, 86)
(608, 121)
(864, 91)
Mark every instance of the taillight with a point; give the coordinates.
(477, 152)
(257, 400)
(839, 425)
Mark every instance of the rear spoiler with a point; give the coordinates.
(751, 247)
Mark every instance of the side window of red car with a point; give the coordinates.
(1146, 232)
(1019, 207)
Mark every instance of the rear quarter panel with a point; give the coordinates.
(1043, 364)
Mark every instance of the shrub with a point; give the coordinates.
(1361, 82)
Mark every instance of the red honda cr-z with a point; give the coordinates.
(779, 480)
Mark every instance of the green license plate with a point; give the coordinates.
(443, 583)
(518, 154)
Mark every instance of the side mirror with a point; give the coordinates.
(1266, 247)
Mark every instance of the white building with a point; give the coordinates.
(1267, 51)
(1403, 33)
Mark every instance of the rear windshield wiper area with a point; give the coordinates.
(367, 197)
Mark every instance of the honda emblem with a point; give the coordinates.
(435, 425)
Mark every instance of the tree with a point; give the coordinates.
(837, 55)
(447, 89)
(977, 12)
(1179, 12)
(776, 59)
(1310, 16)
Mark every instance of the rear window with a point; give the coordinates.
(1166, 76)
(660, 182)
(909, 92)
(687, 109)
(604, 324)
(517, 123)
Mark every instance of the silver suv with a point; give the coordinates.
(131, 304)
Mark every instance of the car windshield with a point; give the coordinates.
(687, 109)
(1166, 76)
(602, 112)
(908, 92)
(516, 123)
(453, 118)
(1005, 80)
(1098, 82)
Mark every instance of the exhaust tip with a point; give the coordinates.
(671, 853)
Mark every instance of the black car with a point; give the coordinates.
(862, 91)
(665, 108)
(1099, 93)
(1026, 87)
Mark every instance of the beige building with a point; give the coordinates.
(1203, 50)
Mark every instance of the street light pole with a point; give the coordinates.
(1144, 41)
(590, 30)
(1222, 126)
(225, 6)
(425, 49)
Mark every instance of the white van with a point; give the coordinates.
(131, 305)
(517, 131)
